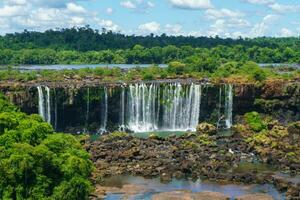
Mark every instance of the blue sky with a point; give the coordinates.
(226, 18)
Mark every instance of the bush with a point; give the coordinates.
(255, 122)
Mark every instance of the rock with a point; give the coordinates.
(206, 128)
(187, 195)
(255, 197)
(166, 177)
(210, 195)
(175, 195)
(294, 132)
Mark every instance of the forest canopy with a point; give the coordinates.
(36, 163)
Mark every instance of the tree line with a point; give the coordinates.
(205, 57)
(88, 39)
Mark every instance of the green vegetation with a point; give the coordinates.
(272, 141)
(36, 163)
(237, 71)
(88, 46)
(253, 119)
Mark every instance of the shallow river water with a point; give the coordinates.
(146, 188)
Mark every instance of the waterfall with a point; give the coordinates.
(173, 108)
(41, 102)
(225, 106)
(104, 113)
(87, 106)
(44, 103)
(228, 106)
(55, 110)
(122, 126)
(141, 107)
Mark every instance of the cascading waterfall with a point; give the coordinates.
(55, 109)
(104, 113)
(44, 103)
(225, 106)
(228, 106)
(87, 106)
(174, 108)
(122, 126)
(142, 107)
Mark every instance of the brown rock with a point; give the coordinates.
(255, 197)
(206, 128)
(187, 195)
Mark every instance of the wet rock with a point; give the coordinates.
(186, 195)
(166, 177)
(206, 128)
(255, 197)
(294, 132)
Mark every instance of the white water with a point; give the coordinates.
(103, 123)
(44, 103)
(225, 107)
(228, 106)
(172, 107)
(122, 126)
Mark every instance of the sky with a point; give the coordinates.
(225, 18)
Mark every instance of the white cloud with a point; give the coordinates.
(108, 25)
(128, 4)
(109, 11)
(222, 13)
(191, 4)
(173, 29)
(284, 32)
(284, 8)
(150, 4)
(260, 29)
(15, 2)
(265, 2)
(74, 8)
(151, 27)
(137, 5)
(10, 11)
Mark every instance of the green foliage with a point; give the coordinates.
(36, 163)
(116, 135)
(205, 140)
(177, 68)
(254, 121)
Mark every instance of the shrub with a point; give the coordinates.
(254, 121)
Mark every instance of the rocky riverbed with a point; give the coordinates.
(204, 154)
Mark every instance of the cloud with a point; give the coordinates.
(284, 32)
(137, 5)
(173, 29)
(151, 27)
(74, 8)
(260, 29)
(108, 25)
(191, 4)
(280, 8)
(128, 4)
(109, 11)
(223, 13)
(11, 10)
(262, 2)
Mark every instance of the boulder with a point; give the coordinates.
(294, 132)
(206, 128)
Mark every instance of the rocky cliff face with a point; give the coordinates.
(80, 106)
